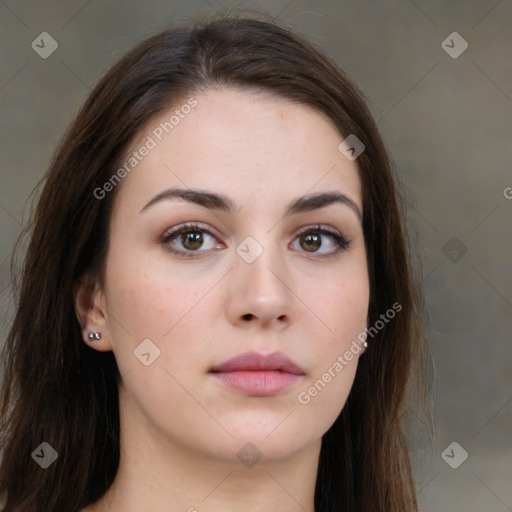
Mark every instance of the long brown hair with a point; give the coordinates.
(58, 390)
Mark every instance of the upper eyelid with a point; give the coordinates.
(190, 226)
(199, 226)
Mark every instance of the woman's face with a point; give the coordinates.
(252, 276)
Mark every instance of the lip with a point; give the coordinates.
(257, 374)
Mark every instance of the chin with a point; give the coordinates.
(270, 445)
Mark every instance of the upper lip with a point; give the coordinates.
(255, 361)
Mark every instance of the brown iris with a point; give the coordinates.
(192, 239)
(312, 241)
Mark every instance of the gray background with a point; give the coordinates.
(447, 122)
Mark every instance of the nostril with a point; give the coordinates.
(248, 316)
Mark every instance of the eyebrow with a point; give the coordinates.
(223, 203)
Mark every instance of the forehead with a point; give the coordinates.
(250, 146)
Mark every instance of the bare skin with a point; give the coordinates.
(181, 428)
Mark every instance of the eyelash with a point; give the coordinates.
(342, 242)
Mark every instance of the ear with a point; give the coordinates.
(90, 309)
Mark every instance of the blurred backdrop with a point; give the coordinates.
(438, 78)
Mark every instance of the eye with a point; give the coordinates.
(188, 240)
(312, 239)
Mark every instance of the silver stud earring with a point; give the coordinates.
(94, 336)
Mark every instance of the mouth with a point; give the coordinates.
(256, 374)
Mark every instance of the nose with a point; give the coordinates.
(262, 292)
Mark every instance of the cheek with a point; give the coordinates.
(322, 398)
(148, 300)
(340, 305)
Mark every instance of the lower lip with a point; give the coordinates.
(258, 383)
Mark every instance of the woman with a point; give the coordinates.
(217, 309)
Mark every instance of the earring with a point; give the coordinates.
(94, 336)
(364, 342)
